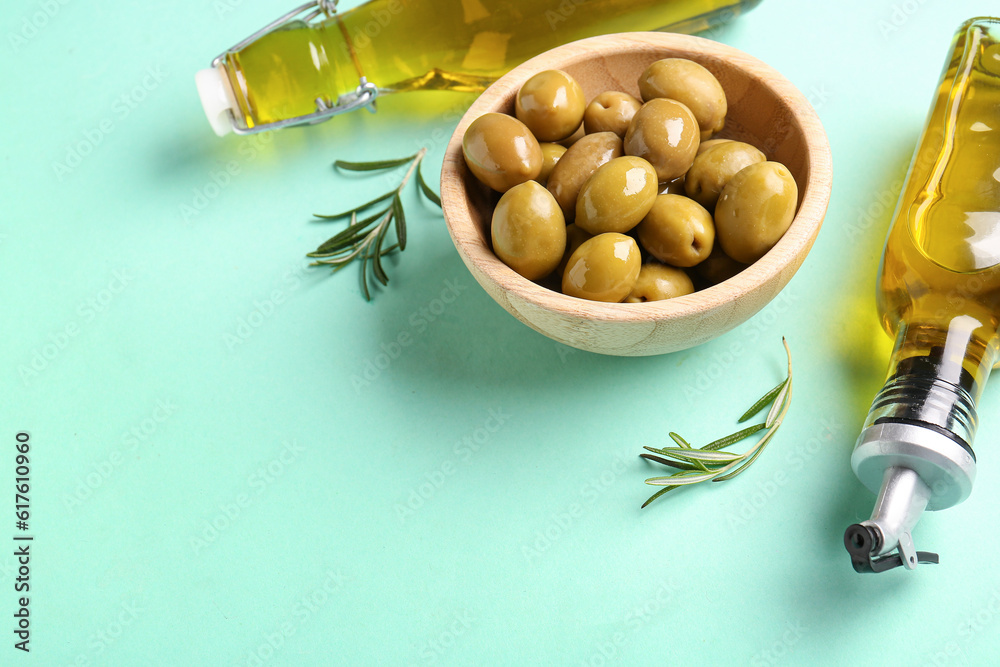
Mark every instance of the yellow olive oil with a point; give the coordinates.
(939, 283)
(409, 45)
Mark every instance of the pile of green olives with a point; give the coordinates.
(627, 200)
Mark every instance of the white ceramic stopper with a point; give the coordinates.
(217, 99)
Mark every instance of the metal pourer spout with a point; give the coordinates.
(901, 501)
(915, 452)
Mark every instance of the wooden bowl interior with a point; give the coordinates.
(756, 114)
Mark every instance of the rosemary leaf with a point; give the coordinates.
(364, 239)
(426, 189)
(364, 274)
(761, 402)
(346, 237)
(734, 438)
(372, 166)
(676, 437)
(338, 254)
(772, 414)
(397, 208)
(691, 463)
(654, 449)
(783, 401)
(680, 465)
(337, 216)
(377, 269)
(376, 254)
(658, 494)
(707, 456)
(758, 448)
(340, 257)
(746, 464)
(681, 478)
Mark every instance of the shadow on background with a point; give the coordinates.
(864, 346)
(470, 343)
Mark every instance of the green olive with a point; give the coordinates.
(665, 133)
(528, 230)
(574, 239)
(611, 111)
(755, 209)
(657, 282)
(718, 267)
(603, 268)
(713, 169)
(705, 145)
(674, 187)
(617, 197)
(577, 164)
(573, 138)
(551, 104)
(550, 156)
(677, 231)
(691, 84)
(501, 152)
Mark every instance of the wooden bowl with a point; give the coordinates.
(765, 109)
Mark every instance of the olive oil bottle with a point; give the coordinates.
(939, 296)
(316, 61)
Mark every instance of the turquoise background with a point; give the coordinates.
(213, 485)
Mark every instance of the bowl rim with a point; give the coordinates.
(793, 245)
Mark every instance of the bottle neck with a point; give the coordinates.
(936, 377)
(285, 72)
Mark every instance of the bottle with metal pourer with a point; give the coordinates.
(939, 296)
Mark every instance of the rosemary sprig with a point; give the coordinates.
(364, 239)
(708, 463)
